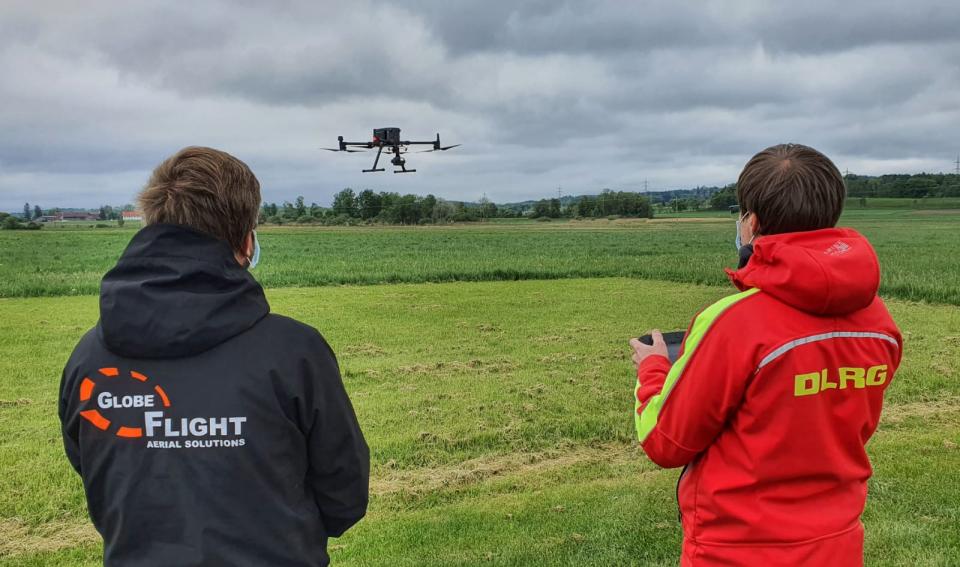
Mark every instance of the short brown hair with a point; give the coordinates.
(205, 189)
(791, 188)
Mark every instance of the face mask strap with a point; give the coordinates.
(740, 220)
(254, 258)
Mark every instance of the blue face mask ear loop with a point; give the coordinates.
(739, 241)
(255, 259)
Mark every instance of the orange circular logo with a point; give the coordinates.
(106, 400)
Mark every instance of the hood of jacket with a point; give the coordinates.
(176, 292)
(831, 271)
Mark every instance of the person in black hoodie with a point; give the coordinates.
(208, 431)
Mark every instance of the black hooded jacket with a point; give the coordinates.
(208, 431)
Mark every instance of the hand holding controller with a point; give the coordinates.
(673, 340)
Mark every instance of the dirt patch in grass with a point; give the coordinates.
(561, 357)
(19, 539)
(928, 408)
(446, 368)
(362, 350)
(424, 480)
(551, 339)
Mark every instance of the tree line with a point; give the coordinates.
(902, 186)
(31, 213)
(369, 206)
(607, 203)
(915, 186)
(11, 222)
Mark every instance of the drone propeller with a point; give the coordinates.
(443, 149)
(339, 150)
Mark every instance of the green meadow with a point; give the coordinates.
(916, 247)
(489, 368)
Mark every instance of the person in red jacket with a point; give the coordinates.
(779, 387)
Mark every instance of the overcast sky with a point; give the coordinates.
(580, 95)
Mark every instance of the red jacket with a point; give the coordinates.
(774, 396)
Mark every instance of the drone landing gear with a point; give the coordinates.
(377, 159)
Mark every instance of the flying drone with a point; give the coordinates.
(389, 138)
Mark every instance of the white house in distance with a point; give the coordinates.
(132, 216)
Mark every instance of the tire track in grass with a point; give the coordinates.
(425, 480)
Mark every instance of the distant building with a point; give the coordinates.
(132, 216)
(78, 216)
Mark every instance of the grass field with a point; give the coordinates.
(912, 246)
(498, 412)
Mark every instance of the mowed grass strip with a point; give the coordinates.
(914, 248)
(499, 417)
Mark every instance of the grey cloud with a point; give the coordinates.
(594, 26)
(541, 93)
